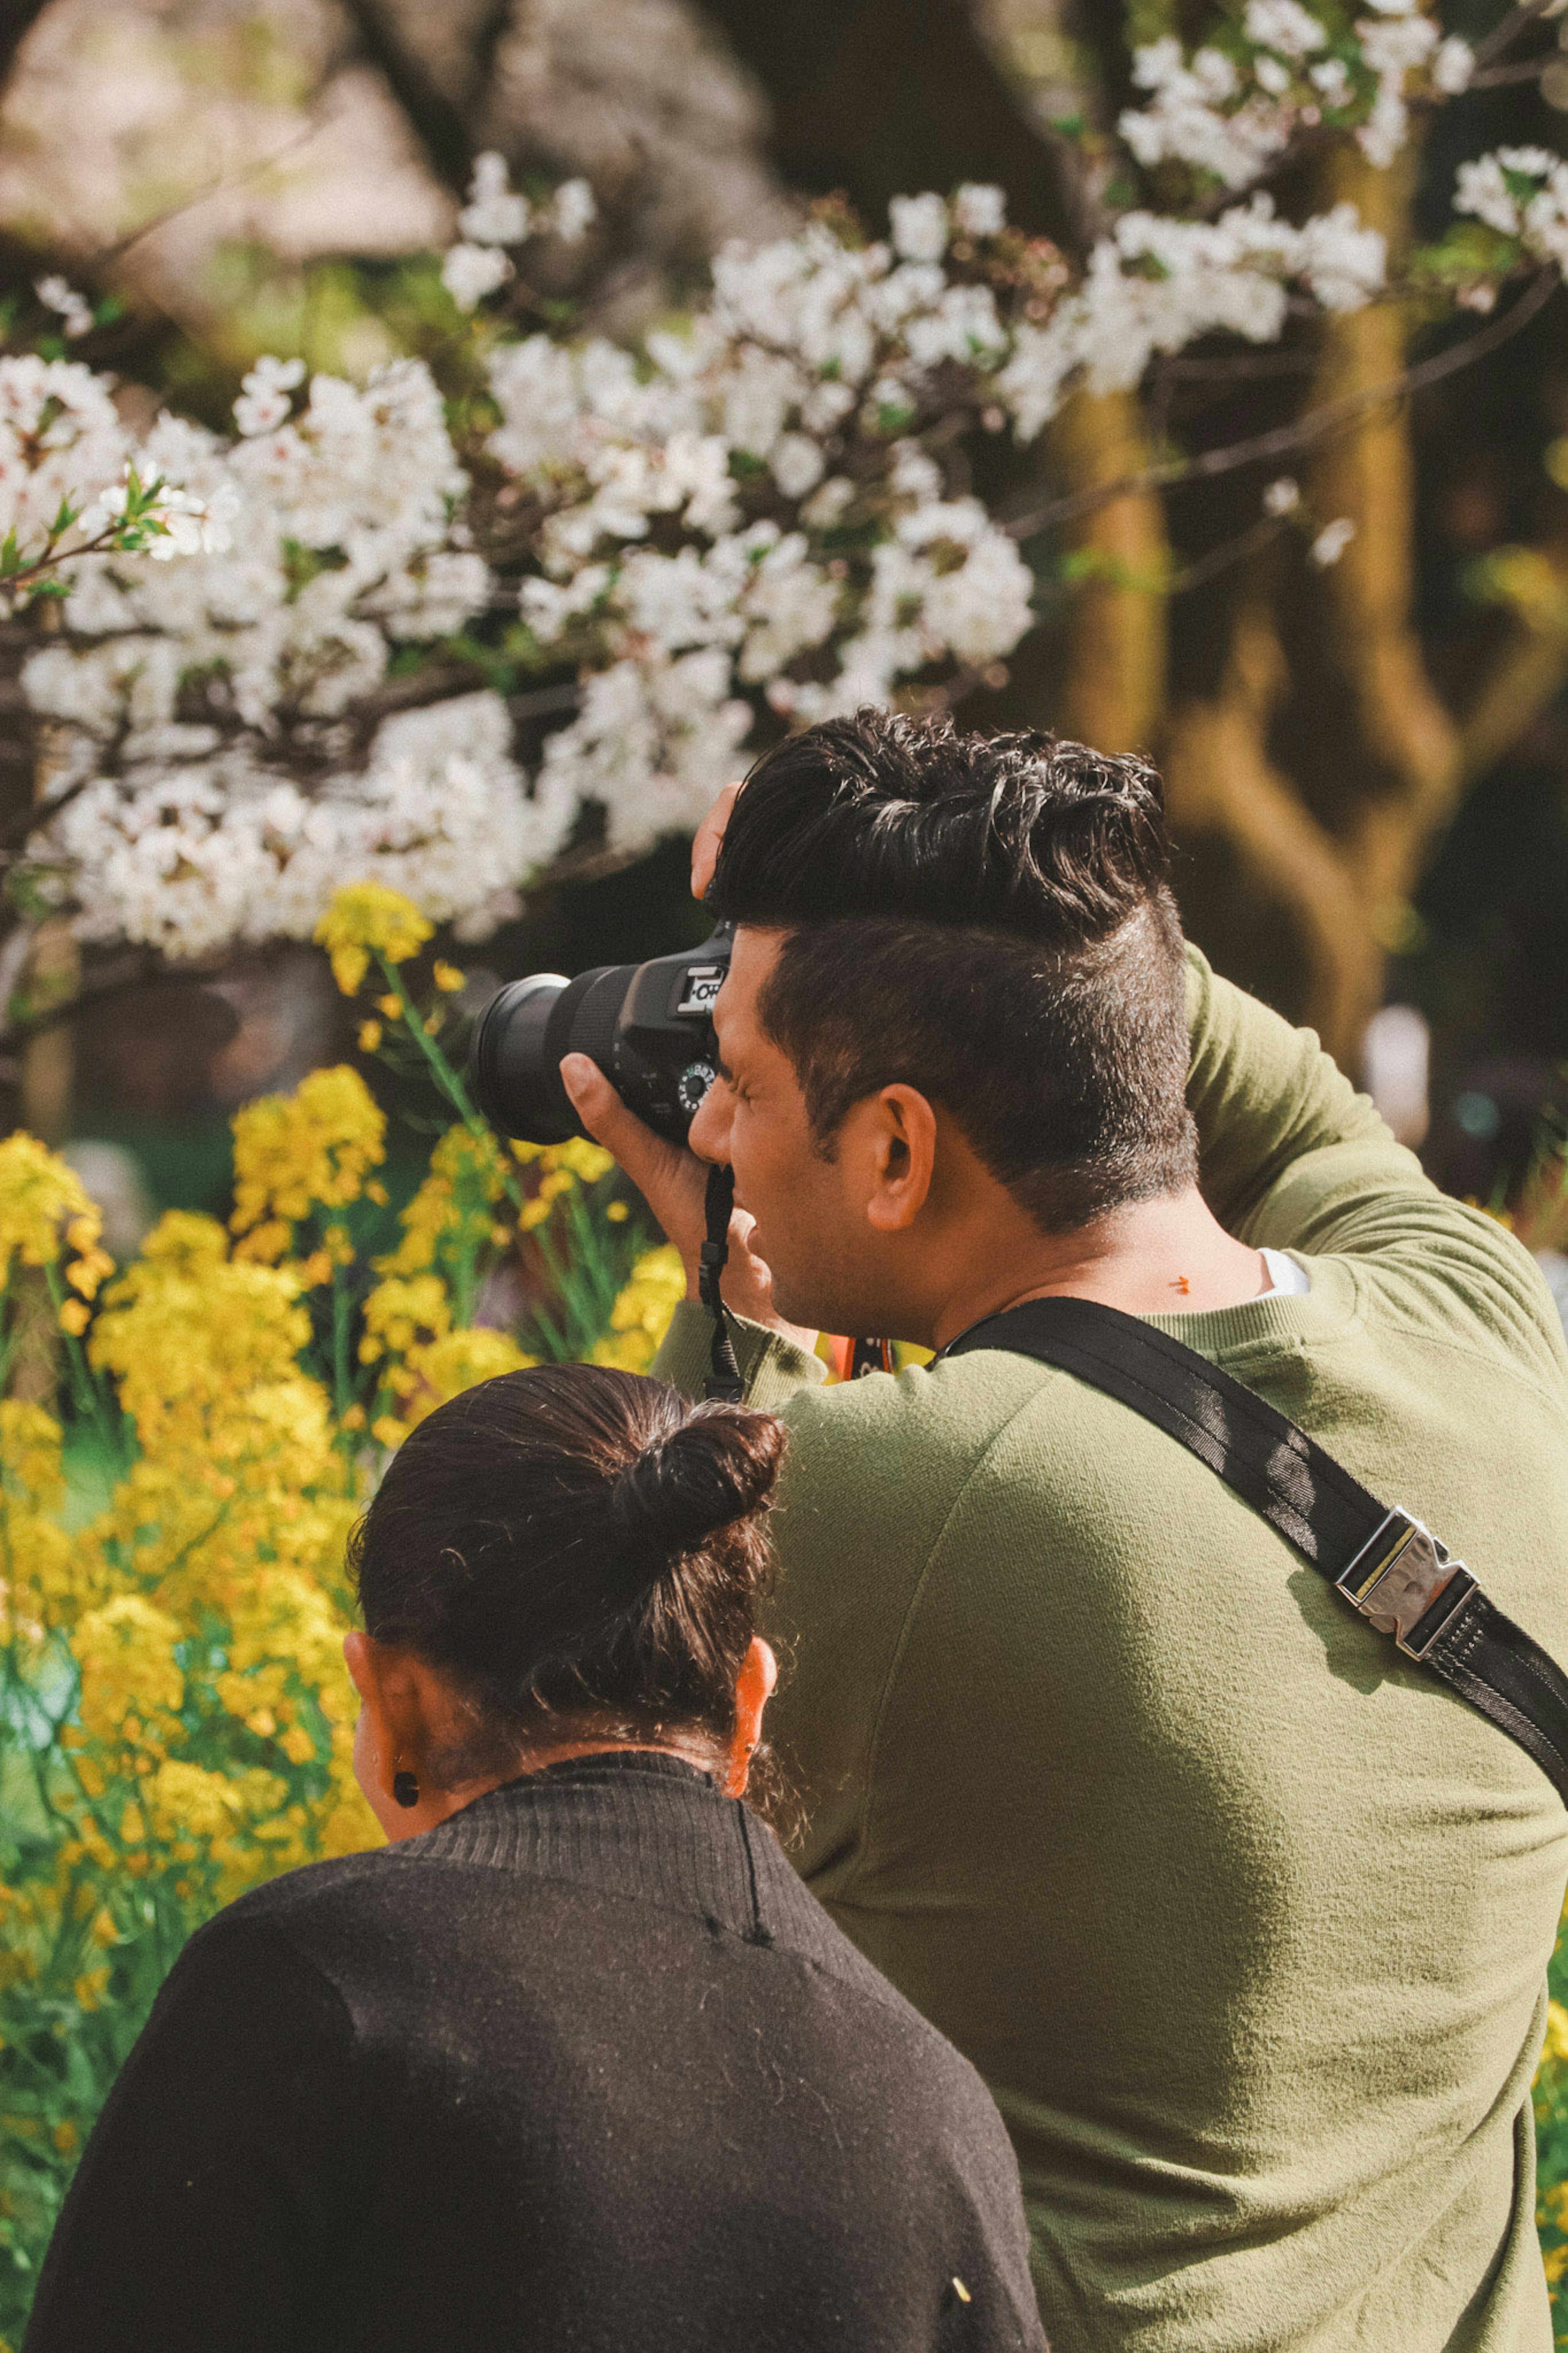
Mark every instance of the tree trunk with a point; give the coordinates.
(1112, 693)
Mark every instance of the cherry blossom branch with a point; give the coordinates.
(1513, 24)
(1177, 472)
(1250, 541)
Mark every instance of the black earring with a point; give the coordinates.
(405, 1789)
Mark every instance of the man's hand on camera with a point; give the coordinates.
(674, 1184)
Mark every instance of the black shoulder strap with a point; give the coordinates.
(1385, 1563)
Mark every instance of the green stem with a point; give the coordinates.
(446, 1077)
(85, 1385)
(343, 1312)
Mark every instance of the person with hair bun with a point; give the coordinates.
(575, 2063)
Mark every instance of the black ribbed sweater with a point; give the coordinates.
(586, 2068)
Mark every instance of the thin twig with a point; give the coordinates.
(105, 255)
(18, 831)
(13, 955)
(1242, 365)
(1285, 439)
(1500, 75)
(1497, 40)
(1256, 535)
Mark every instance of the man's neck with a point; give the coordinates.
(1154, 1258)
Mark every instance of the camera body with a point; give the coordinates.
(650, 1028)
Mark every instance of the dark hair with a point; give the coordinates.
(987, 919)
(572, 1543)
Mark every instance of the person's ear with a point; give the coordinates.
(754, 1689)
(900, 1143)
(401, 1704)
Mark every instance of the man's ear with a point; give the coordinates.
(895, 1131)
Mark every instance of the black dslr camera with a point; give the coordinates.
(650, 1027)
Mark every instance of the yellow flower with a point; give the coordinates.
(587, 1162)
(369, 1036)
(440, 1369)
(129, 1671)
(91, 1986)
(402, 1310)
(85, 1273)
(466, 1176)
(1555, 2047)
(617, 1212)
(74, 1317)
(446, 977)
(38, 1194)
(295, 1154)
(366, 918)
(390, 1006)
(640, 1316)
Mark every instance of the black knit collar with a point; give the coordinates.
(606, 1765)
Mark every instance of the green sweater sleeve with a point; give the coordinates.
(773, 1367)
(1291, 1157)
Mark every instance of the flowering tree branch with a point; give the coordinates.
(1287, 441)
(454, 650)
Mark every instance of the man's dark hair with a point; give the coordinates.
(986, 918)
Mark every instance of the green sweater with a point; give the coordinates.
(1243, 1919)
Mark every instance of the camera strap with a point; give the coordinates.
(1387, 1566)
(724, 1382)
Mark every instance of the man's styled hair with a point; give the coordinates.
(986, 918)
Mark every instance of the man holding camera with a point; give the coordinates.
(1242, 1914)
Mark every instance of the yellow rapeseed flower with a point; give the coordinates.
(641, 1315)
(437, 1371)
(125, 1652)
(40, 1194)
(466, 1176)
(368, 918)
(295, 1154)
(1555, 2050)
(446, 977)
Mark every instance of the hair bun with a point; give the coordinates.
(718, 1467)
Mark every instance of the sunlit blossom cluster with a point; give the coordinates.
(1521, 193)
(496, 216)
(1229, 109)
(759, 518)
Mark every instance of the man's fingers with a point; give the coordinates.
(709, 834)
(669, 1178)
(604, 1115)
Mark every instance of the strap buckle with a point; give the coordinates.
(1398, 1579)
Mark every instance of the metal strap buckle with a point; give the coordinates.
(1396, 1579)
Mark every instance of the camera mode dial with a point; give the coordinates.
(692, 1085)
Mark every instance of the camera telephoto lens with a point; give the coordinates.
(650, 1027)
